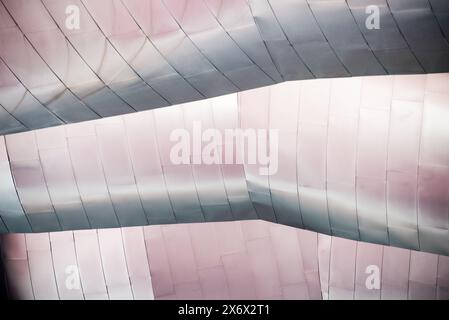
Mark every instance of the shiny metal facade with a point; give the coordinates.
(363, 158)
(219, 260)
(133, 55)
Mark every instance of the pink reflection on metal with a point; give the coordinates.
(188, 261)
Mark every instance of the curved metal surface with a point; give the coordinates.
(363, 158)
(133, 55)
(220, 260)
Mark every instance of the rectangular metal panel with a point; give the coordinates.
(89, 176)
(283, 113)
(61, 183)
(113, 149)
(137, 263)
(114, 264)
(41, 261)
(65, 265)
(89, 262)
(142, 143)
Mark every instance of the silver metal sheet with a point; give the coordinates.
(65, 264)
(225, 116)
(343, 35)
(179, 178)
(60, 180)
(114, 264)
(387, 43)
(311, 153)
(423, 275)
(236, 18)
(41, 261)
(427, 41)
(147, 168)
(343, 255)
(366, 157)
(440, 9)
(304, 33)
(30, 182)
(90, 177)
(208, 177)
(341, 157)
(367, 255)
(258, 185)
(11, 210)
(222, 260)
(16, 265)
(89, 260)
(118, 172)
(19, 102)
(8, 123)
(283, 183)
(58, 74)
(137, 263)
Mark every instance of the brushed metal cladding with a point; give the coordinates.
(12, 214)
(219, 260)
(134, 55)
(362, 158)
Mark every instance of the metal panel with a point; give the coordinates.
(304, 33)
(90, 177)
(283, 181)
(137, 263)
(423, 276)
(147, 168)
(11, 210)
(285, 58)
(342, 157)
(16, 266)
(60, 180)
(343, 35)
(368, 261)
(41, 261)
(387, 42)
(90, 266)
(159, 266)
(208, 177)
(30, 182)
(179, 177)
(65, 266)
(252, 259)
(395, 285)
(114, 264)
(118, 172)
(355, 144)
(371, 175)
(403, 150)
(225, 117)
(290, 263)
(258, 185)
(342, 269)
(311, 154)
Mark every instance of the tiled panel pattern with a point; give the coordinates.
(133, 55)
(364, 158)
(220, 260)
(90, 264)
(404, 274)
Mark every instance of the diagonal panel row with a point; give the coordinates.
(91, 265)
(71, 61)
(360, 158)
(223, 260)
(358, 270)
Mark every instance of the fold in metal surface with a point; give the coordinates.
(364, 158)
(133, 55)
(221, 260)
